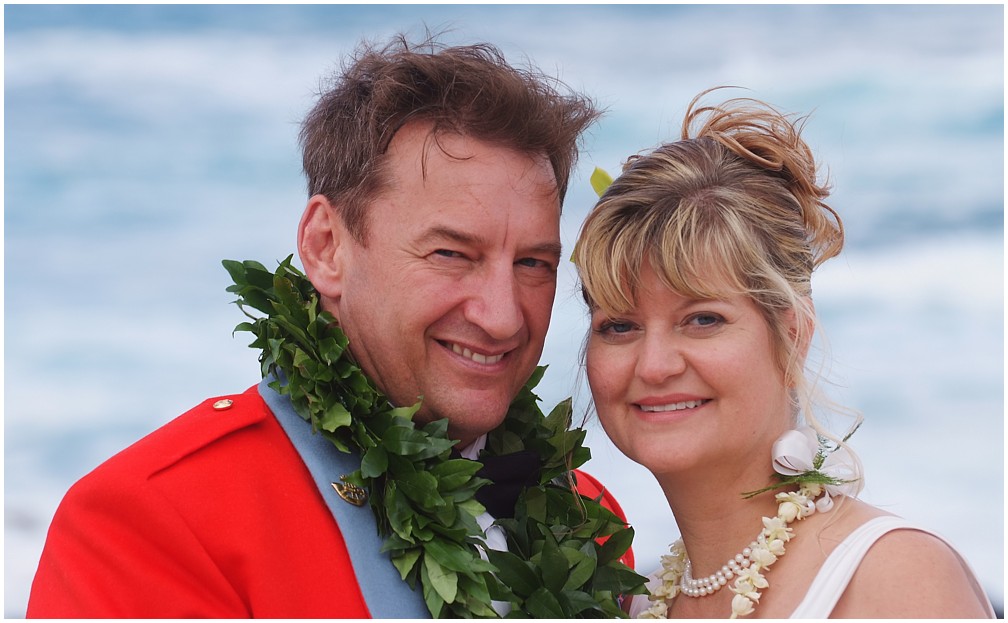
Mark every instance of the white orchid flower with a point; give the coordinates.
(776, 528)
(741, 606)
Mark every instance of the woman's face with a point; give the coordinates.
(681, 383)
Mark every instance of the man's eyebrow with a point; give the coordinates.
(441, 232)
(553, 249)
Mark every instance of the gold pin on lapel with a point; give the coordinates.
(350, 492)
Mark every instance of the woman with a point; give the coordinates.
(696, 265)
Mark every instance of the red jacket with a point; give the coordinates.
(213, 515)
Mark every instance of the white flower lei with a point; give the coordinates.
(802, 457)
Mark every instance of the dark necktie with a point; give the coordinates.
(508, 475)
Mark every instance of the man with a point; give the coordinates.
(432, 238)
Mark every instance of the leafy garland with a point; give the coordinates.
(563, 549)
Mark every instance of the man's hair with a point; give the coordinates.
(469, 90)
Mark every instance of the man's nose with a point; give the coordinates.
(495, 303)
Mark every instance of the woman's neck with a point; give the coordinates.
(713, 518)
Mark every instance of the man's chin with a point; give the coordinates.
(468, 425)
(470, 412)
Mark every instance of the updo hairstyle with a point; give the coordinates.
(733, 207)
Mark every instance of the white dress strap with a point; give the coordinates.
(838, 569)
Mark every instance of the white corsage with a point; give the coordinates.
(806, 458)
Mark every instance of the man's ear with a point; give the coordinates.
(320, 235)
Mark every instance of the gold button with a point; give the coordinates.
(349, 492)
(223, 404)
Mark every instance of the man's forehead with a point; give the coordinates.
(420, 141)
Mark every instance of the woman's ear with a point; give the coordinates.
(320, 235)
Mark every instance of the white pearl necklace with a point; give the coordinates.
(743, 573)
(719, 579)
(803, 458)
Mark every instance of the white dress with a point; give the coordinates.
(838, 569)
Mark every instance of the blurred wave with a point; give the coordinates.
(143, 144)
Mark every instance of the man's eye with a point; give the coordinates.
(447, 253)
(532, 262)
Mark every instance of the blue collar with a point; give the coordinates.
(386, 594)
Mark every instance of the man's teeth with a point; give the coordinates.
(478, 358)
(675, 406)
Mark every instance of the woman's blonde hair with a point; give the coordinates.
(734, 207)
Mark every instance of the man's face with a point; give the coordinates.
(450, 298)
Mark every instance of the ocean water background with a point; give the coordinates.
(143, 144)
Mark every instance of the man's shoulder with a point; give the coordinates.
(590, 487)
(212, 514)
(213, 425)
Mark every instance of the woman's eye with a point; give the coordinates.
(705, 320)
(615, 327)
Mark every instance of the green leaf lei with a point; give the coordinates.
(422, 498)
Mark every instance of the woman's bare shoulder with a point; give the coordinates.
(909, 573)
